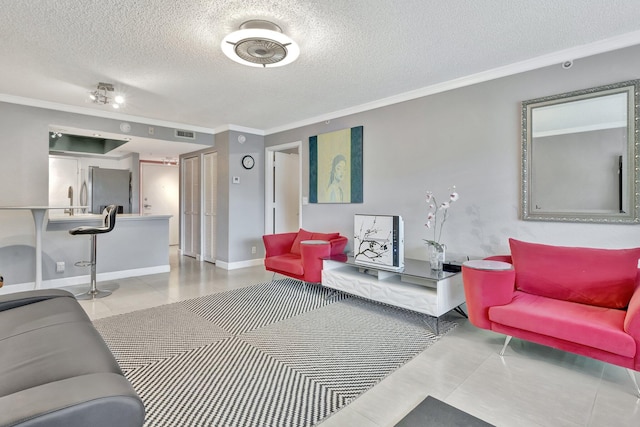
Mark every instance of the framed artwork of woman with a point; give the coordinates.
(335, 167)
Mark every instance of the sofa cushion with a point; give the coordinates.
(324, 236)
(302, 235)
(596, 327)
(52, 353)
(600, 277)
(291, 263)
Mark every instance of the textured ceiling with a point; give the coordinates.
(165, 55)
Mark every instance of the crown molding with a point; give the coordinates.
(11, 99)
(236, 128)
(601, 46)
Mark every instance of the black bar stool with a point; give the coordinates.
(108, 221)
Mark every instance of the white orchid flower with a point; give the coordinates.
(453, 197)
(444, 205)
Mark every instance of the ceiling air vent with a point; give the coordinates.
(187, 134)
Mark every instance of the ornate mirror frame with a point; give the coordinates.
(572, 133)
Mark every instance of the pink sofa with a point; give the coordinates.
(287, 255)
(581, 300)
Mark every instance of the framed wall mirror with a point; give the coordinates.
(580, 156)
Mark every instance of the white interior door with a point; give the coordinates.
(190, 207)
(286, 190)
(283, 188)
(160, 195)
(210, 205)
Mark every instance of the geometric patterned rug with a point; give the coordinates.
(273, 354)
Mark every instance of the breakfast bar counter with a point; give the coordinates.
(138, 245)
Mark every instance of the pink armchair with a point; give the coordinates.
(288, 254)
(581, 300)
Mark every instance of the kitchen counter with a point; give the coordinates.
(87, 219)
(138, 245)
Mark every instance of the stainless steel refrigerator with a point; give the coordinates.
(110, 187)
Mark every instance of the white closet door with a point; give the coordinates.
(190, 213)
(210, 208)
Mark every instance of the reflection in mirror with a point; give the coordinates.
(579, 156)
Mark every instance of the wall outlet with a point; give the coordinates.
(253, 249)
(151, 130)
(60, 267)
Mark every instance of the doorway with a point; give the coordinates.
(283, 188)
(159, 194)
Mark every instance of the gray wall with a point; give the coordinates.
(246, 199)
(468, 137)
(240, 206)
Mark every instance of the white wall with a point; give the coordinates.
(471, 138)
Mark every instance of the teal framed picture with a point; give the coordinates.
(335, 167)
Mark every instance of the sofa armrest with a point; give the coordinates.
(632, 318)
(338, 244)
(278, 244)
(486, 288)
(312, 256)
(9, 301)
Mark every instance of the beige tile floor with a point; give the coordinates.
(531, 385)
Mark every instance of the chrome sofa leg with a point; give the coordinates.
(273, 277)
(632, 374)
(506, 343)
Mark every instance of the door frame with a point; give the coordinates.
(268, 182)
(202, 200)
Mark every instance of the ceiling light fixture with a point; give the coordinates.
(260, 43)
(101, 95)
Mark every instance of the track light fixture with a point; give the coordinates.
(102, 95)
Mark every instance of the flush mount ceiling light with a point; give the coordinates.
(260, 44)
(102, 95)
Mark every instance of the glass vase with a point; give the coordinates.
(436, 256)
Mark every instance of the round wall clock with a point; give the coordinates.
(248, 162)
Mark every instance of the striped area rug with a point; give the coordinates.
(273, 354)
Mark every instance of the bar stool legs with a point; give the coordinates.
(93, 292)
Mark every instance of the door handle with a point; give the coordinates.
(147, 206)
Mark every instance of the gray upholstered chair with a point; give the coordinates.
(108, 222)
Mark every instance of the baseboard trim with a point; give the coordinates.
(239, 264)
(85, 279)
